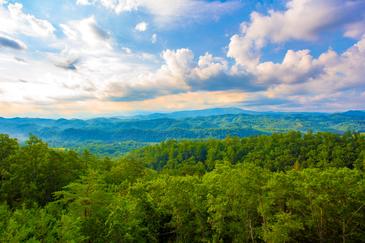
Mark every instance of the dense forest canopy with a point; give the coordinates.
(290, 187)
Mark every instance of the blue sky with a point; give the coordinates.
(84, 58)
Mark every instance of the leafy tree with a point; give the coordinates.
(290, 187)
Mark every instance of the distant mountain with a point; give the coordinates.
(353, 113)
(126, 134)
(196, 113)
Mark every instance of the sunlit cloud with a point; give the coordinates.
(85, 67)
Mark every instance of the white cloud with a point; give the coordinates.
(35, 81)
(83, 72)
(245, 51)
(295, 67)
(170, 78)
(87, 64)
(179, 73)
(178, 62)
(90, 65)
(91, 68)
(141, 27)
(209, 66)
(301, 20)
(86, 32)
(301, 80)
(337, 76)
(14, 21)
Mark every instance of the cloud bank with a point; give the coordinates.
(88, 69)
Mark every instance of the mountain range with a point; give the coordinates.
(117, 135)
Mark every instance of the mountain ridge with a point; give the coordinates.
(190, 113)
(213, 123)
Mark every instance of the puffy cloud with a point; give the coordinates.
(89, 66)
(15, 21)
(141, 27)
(209, 66)
(245, 51)
(167, 12)
(301, 20)
(301, 81)
(297, 66)
(336, 76)
(180, 73)
(178, 63)
(344, 71)
(168, 79)
(213, 73)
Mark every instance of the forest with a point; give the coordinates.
(284, 187)
(115, 136)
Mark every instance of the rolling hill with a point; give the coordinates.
(116, 135)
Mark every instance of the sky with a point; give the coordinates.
(87, 58)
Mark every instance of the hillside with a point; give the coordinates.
(113, 136)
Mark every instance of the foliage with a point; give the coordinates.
(289, 187)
